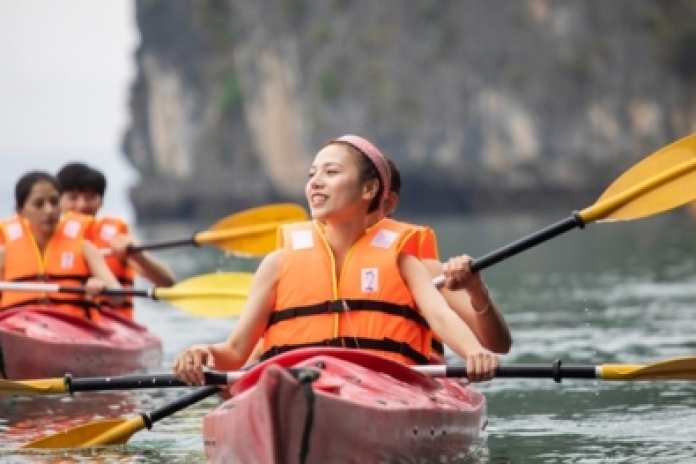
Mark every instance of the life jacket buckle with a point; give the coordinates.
(334, 306)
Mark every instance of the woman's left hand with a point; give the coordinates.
(120, 244)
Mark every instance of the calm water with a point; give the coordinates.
(616, 292)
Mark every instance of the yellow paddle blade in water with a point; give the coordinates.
(100, 433)
(253, 232)
(662, 181)
(211, 295)
(32, 387)
(673, 369)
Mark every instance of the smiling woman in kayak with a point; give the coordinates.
(343, 285)
(61, 255)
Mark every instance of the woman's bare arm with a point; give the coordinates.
(481, 364)
(100, 271)
(233, 352)
(478, 310)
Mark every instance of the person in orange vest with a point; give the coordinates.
(343, 285)
(37, 245)
(468, 296)
(83, 193)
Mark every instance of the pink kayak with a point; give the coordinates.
(333, 405)
(36, 342)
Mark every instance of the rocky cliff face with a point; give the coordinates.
(484, 104)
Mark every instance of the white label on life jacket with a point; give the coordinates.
(67, 258)
(369, 280)
(14, 231)
(301, 239)
(384, 238)
(107, 232)
(71, 229)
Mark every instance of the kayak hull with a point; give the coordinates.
(36, 342)
(358, 414)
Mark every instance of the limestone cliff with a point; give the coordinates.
(484, 104)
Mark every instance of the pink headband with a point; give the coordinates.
(368, 149)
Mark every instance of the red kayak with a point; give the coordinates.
(36, 342)
(333, 405)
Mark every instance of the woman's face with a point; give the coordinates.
(334, 188)
(42, 208)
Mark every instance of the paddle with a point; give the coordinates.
(672, 369)
(249, 233)
(663, 181)
(118, 431)
(210, 295)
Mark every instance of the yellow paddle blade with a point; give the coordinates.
(673, 369)
(252, 232)
(663, 181)
(211, 295)
(105, 432)
(32, 387)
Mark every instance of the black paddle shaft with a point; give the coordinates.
(555, 371)
(527, 242)
(132, 382)
(111, 291)
(176, 406)
(162, 245)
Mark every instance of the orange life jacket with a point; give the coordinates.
(423, 248)
(62, 263)
(102, 231)
(368, 307)
(428, 244)
(428, 250)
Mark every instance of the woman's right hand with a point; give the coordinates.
(481, 365)
(188, 366)
(94, 287)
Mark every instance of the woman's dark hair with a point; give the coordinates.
(366, 171)
(395, 180)
(78, 177)
(27, 181)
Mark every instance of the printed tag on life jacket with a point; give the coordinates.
(384, 238)
(301, 239)
(369, 280)
(67, 258)
(108, 232)
(14, 231)
(71, 228)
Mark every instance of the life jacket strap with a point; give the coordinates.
(437, 346)
(386, 344)
(338, 306)
(80, 279)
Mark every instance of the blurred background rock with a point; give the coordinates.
(486, 105)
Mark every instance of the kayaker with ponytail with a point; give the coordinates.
(357, 289)
(83, 192)
(467, 295)
(37, 245)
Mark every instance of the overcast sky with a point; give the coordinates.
(65, 71)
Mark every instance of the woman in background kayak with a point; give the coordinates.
(83, 190)
(343, 285)
(468, 296)
(37, 246)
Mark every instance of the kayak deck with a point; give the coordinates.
(36, 342)
(351, 407)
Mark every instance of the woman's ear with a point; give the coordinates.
(370, 189)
